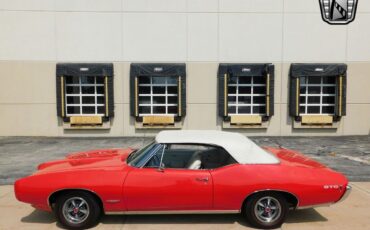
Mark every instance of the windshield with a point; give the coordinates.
(136, 157)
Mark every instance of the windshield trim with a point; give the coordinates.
(144, 154)
(151, 154)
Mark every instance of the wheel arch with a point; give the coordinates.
(291, 198)
(54, 195)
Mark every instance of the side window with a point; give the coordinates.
(183, 156)
(216, 157)
(191, 156)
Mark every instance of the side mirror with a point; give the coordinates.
(161, 168)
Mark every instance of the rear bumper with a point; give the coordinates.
(346, 193)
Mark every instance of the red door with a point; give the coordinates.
(147, 189)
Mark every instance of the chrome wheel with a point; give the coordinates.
(267, 209)
(76, 210)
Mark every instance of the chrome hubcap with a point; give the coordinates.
(76, 210)
(267, 209)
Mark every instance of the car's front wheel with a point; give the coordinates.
(266, 210)
(77, 210)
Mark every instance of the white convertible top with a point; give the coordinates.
(242, 149)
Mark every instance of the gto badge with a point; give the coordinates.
(338, 12)
(332, 186)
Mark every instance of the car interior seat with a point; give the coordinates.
(195, 162)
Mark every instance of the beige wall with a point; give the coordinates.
(28, 97)
(179, 30)
(36, 34)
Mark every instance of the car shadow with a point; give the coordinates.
(298, 216)
(176, 219)
(305, 216)
(39, 217)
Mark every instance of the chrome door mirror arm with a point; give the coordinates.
(161, 166)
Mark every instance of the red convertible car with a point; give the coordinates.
(182, 172)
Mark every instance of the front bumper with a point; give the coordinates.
(346, 193)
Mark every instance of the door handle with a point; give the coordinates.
(205, 179)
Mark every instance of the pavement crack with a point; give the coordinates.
(352, 158)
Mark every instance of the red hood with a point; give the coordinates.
(99, 153)
(294, 158)
(92, 158)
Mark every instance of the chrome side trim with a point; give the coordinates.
(346, 193)
(113, 201)
(315, 206)
(174, 212)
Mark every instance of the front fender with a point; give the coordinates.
(105, 183)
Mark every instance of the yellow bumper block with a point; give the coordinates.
(158, 120)
(317, 119)
(245, 119)
(86, 120)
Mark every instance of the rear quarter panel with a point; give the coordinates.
(232, 184)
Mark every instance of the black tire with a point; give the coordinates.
(250, 212)
(92, 208)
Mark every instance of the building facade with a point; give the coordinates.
(134, 67)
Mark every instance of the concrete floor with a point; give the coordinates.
(19, 156)
(352, 214)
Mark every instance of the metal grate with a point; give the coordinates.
(84, 96)
(247, 95)
(317, 95)
(158, 96)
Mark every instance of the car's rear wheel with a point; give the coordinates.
(266, 210)
(77, 210)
